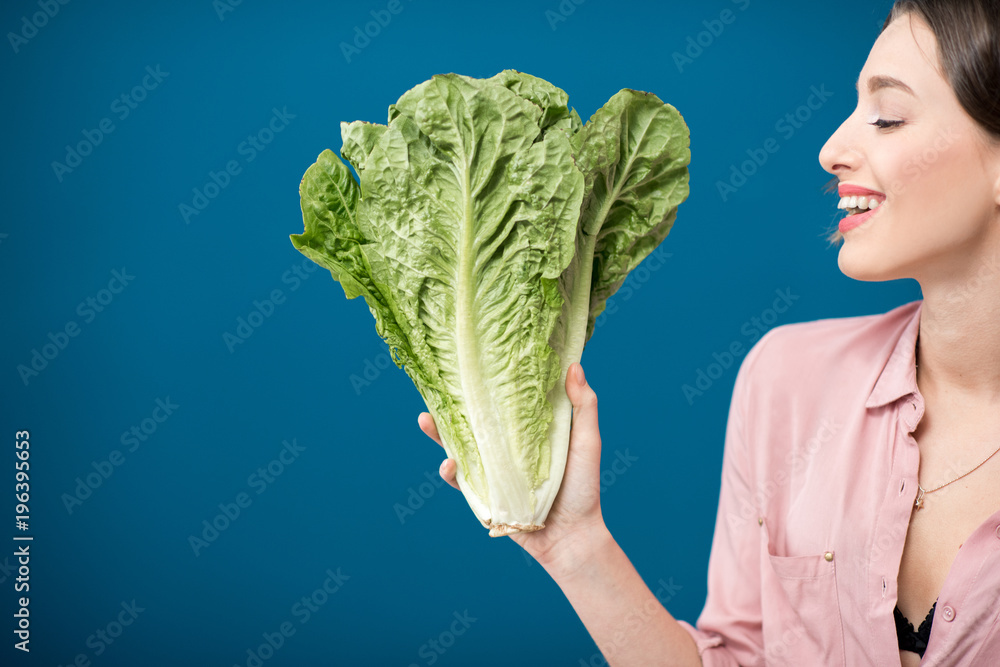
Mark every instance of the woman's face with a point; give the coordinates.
(933, 173)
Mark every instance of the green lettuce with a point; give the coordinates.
(486, 230)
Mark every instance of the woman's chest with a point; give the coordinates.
(959, 489)
(842, 541)
(936, 534)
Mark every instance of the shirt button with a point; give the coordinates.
(998, 532)
(948, 613)
(828, 555)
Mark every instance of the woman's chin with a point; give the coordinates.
(859, 267)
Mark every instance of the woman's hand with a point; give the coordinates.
(575, 517)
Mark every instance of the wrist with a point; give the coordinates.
(576, 551)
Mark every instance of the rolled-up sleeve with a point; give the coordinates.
(728, 632)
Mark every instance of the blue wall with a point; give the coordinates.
(101, 245)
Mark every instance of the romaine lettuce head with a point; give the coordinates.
(488, 229)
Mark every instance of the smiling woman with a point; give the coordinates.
(861, 476)
(927, 122)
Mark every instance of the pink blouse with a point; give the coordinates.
(819, 477)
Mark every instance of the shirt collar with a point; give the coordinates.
(899, 371)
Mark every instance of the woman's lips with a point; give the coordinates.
(852, 221)
(849, 190)
(858, 196)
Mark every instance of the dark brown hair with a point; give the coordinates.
(968, 38)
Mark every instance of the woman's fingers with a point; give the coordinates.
(448, 467)
(585, 435)
(426, 423)
(585, 443)
(447, 472)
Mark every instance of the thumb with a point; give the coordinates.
(586, 435)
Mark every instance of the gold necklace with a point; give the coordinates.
(918, 503)
(921, 493)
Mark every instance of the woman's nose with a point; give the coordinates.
(839, 154)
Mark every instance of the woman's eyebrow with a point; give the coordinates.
(880, 81)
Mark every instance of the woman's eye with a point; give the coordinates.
(886, 124)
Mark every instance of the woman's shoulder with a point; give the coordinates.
(832, 348)
(864, 331)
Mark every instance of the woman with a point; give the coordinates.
(859, 516)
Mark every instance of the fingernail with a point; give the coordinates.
(580, 379)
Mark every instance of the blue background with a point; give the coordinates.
(334, 505)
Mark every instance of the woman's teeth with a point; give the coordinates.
(855, 205)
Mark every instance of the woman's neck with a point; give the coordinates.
(958, 348)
